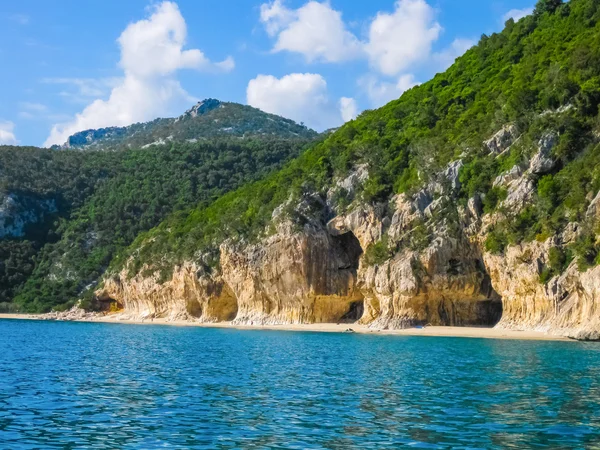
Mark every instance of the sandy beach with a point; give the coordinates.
(431, 331)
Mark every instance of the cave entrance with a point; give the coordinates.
(355, 312)
(467, 313)
(348, 252)
(105, 303)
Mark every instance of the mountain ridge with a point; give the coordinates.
(208, 119)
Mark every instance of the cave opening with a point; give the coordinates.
(355, 312)
(105, 303)
(348, 252)
(467, 313)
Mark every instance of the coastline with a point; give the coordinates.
(431, 331)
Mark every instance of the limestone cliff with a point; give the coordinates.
(432, 267)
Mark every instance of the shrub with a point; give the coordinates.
(496, 242)
(378, 252)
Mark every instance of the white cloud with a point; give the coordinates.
(7, 135)
(381, 92)
(403, 38)
(348, 109)
(516, 14)
(446, 57)
(314, 30)
(302, 97)
(275, 16)
(151, 53)
(395, 41)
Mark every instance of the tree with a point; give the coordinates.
(549, 6)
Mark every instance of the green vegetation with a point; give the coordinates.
(209, 119)
(538, 65)
(101, 211)
(378, 252)
(558, 261)
(541, 74)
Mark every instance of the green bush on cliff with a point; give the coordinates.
(558, 260)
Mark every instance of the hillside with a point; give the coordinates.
(65, 214)
(473, 199)
(209, 119)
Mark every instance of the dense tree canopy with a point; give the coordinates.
(105, 199)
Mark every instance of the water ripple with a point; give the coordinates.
(104, 386)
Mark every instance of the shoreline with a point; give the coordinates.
(431, 331)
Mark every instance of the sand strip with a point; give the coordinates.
(466, 332)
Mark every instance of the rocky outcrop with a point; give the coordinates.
(569, 305)
(306, 276)
(191, 293)
(17, 212)
(415, 260)
(543, 162)
(502, 140)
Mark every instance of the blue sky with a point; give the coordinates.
(69, 65)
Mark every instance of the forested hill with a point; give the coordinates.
(209, 119)
(65, 214)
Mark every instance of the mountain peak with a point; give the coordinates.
(202, 107)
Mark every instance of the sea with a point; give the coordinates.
(66, 385)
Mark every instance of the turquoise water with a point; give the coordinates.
(74, 385)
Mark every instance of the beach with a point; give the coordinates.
(429, 331)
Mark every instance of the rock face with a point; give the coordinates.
(568, 305)
(542, 162)
(189, 294)
(502, 140)
(415, 260)
(291, 277)
(16, 213)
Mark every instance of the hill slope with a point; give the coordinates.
(64, 214)
(472, 199)
(207, 120)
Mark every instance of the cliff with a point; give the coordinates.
(322, 272)
(471, 200)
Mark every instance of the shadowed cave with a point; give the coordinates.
(348, 252)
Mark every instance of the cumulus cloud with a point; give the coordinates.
(517, 14)
(402, 38)
(348, 109)
(275, 16)
(302, 97)
(381, 92)
(7, 135)
(396, 40)
(151, 53)
(314, 30)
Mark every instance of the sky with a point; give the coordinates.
(68, 65)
